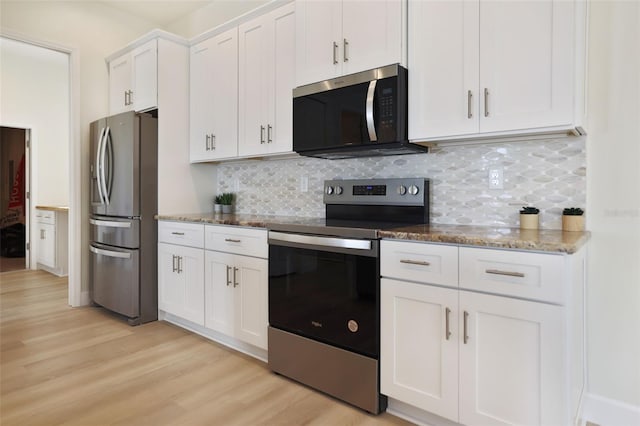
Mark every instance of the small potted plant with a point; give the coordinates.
(217, 204)
(529, 218)
(226, 200)
(573, 219)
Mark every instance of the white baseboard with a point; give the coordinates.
(609, 412)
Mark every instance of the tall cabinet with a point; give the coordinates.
(266, 71)
(484, 67)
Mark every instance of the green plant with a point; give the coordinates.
(529, 210)
(226, 199)
(572, 211)
(218, 199)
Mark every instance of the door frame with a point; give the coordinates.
(76, 296)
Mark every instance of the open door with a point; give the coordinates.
(14, 202)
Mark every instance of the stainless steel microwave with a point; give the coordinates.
(358, 115)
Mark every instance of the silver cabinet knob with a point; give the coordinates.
(413, 190)
(402, 190)
(329, 190)
(338, 190)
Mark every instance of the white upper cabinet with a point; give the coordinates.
(213, 111)
(343, 37)
(266, 79)
(133, 80)
(484, 67)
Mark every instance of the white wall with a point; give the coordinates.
(613, 201)
(35, 93)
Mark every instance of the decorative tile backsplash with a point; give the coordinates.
(550, 175)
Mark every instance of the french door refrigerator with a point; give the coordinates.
(123, 230)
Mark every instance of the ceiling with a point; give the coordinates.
(160, 13)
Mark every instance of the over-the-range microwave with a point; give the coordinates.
(358, 115)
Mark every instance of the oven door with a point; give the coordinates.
(326, 289)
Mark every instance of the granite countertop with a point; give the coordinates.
(481, 236)
(54, 208)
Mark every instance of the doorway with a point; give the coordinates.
(14, 207)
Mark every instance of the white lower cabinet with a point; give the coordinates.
(236, 296)
(51, 241)
(472, 357)
(181, 281)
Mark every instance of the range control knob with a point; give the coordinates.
(413, 190)
(329, 190)
(402, 190)
(338, 190)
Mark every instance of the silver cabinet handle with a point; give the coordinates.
(179, 264)
(464, 332)
(335, 53)
(130, 97)
(174, 263)
(507, 273)
(486, 102)
(447, 331)
(208, 138)
(177, 233)
(231, 240)
(228, 279)
(415, 262)
(345, 45)
(213, 142)
(469, 99)
(371, 127)
(269, 131)
(235, 282)
(126, 97)
(261, 134)
(42, 234)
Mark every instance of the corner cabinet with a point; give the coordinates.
(344, 37)
(133, 79)
(481, 68)
(497, 344)
(213, 105)
(181, 270)
(266, 80)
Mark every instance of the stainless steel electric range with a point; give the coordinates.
(324, 287)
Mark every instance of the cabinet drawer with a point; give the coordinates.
(528, 275)
(46, 216)
(180, 233)
(427, 263)
(231, 239)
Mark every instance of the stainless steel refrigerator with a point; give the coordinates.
(124, 200)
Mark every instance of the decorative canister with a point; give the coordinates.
(529, 218)
(573, 219)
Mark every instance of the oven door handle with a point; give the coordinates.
(320, 241)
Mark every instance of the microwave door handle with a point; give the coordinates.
(99, 165)
(371, 127)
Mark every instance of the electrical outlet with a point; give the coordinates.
(304, 183)
(496, 178)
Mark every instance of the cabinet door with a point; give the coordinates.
(181, 281)
(255, 61)
(419, 346)
(526, 64)
(371, 34)
(511, 365)
(144, 61)
(201, 99)
(219, 292)
(120, 84)
(318, 40)
(250, 281)
(444, 61)
(224, 81)
(282, 79)
(47, 245)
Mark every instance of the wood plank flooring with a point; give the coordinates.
(83, 366)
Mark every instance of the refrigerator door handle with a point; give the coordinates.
(110, 223)
(99, 165)
(110, 253)
(103, 167)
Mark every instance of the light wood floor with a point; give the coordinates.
(82, 366)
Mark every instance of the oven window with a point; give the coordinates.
(329, 297)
